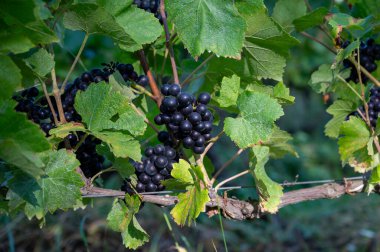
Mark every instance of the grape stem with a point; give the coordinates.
(152, 83)
(74, 63)
(48, 100)
(365, 72)
(226, 164)
(83, 138)
(57, 96)
(307, 35)
(231, 178)
(110, 169)
(167, 42)
(188, 78)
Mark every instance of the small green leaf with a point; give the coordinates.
(279, 145)
(59, 188)
(229, 91)
(311, 19)
(285, 11)
(354, 137)
(375, 177)
(339, 110)
(322, 78)
(40, 62)
(355, 26)
(21, 141)
(124, 167)
(118, 84)
(282, 93)
(10, 77)
(257, 115)
(347, 52)
(270, 192)
(122, 219)
(122, 145)
(211, 25)
(190, 205)
(181, 176)
(61, 131)
(101, 108)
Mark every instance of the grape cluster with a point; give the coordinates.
(187, 119)
(369, 52)
(373, 107)
(152, 6)
(36, 107)
(155, 167)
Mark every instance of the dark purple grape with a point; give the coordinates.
(149, 151)
(165, 89)
(140, 187)
(187, 110)
(174, 89)
(150, 187)
(150, 169)
(188, 142)
(204, 98)
(184, 99)
(163, 136)
(32, 92)
(195, 134)
(170, 153)
(157, 178)
(139, 167)
(170, 103)
(177, 118)
(198, 150)
(164, 172)
(186, 126)
(143, 80)
(86, 77)
(161, 162)
(194, 118)
(159, 149)
(158, 120)
(200, 141)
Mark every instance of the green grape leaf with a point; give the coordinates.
(58, 188)
(211, 25)
(355, 26)
(282, 93)
(374, 178)
(265, 47)
(258, 112)
(181, 176)
(285, 11)
(40, 62)
(270, 192)
(21, 141)
(61, 131)
(322, 78)
(118, 84)
(124, 167)
(311, 19)
(103, 108)
(93, 19)
(21, 27)
(191, 204)
(347, 52)
(10, 77)
(339, 110)
(121, 144)
(122, 219)
(228, 92)
(131, 19)
(279, 145)
(354, 139)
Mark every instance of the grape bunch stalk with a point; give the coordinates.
(369, 52)
(188, 120)
(36, 107)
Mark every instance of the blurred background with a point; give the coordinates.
(345, 224)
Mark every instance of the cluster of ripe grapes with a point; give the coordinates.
(187, 119)
(154, 167)
(152, 6)
(369, 52)
(373, 107)
(36, 107)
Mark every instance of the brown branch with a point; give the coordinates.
(241, 210)
(167, 42)
(152, 83)
(318, 41)
(49, 101)
(57, 97)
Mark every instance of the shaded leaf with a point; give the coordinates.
(311, 19)
(282, 93)
(285, 11)
(279, 145)
(10, 77)
(40, 62)
(339, 110)
(228, 93)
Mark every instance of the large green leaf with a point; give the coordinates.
(92, 19)
(212, 25)
(258, 112)
(103, 108)
(21, 141)
(353, 143)
(285, 11)
(41, 62)
(270, 192)
(121, 145)
(122, 219)
(314, 18)
(131, 19)
(265, 47)
(228, 92)
(339, 110)
(59, 188)
(10, 77)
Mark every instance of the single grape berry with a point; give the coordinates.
(174, 89)
(204, 98)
